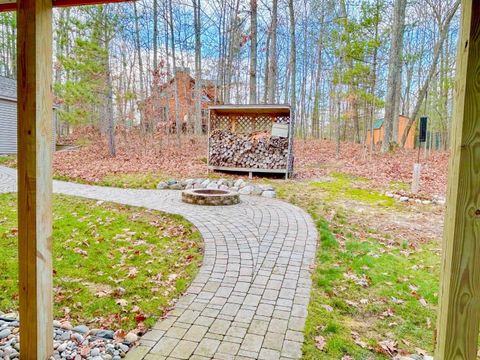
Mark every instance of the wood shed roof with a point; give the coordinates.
(252, 109)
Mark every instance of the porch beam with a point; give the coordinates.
(34, 64)
(11, 5)
(459, 312)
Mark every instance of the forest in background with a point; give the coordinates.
(340, 64)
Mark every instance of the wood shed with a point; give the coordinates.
(251, 138)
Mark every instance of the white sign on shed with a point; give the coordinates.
(280, 130)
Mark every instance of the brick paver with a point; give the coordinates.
(249, 300)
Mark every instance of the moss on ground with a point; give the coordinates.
(368, 286)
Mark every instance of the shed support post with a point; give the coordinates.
(34, 60)
(459, 312)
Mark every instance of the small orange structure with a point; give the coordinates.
(402, 124)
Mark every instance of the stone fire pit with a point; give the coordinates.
(210, 197)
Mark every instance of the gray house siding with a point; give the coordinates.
(8, 117)
(8, 127)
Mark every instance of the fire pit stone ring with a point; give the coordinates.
(212, 197)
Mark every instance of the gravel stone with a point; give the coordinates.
(5, 333)
(246, 190)
(176, 186)
(269, 194)
(81, 329)
(107, 334)
(162, 185)
(212, 185)
(131, 337)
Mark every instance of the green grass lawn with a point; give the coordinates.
(115, 266)
(371, 290)
(8, 160)
(147, 180)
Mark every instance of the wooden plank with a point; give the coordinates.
(34, 60)
(251, 109)
(10, 5)
(269, 171)
(459, 312)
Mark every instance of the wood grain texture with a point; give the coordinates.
(34, 49)
(10, 5)
(459, 313)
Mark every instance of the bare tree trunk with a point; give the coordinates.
(155, 34)
(272, 68)
(293, 57)
(220, 61)
(178, 125)
(198, 69)
(394, 66)
(316, 102)
(253, 52)
(267, 67)
(374, 84)
(286, 85)
(108, 107)
(436, 55)
(110, 124)
(140, 63)
(337, 151)
(355, 116)
(396, 108)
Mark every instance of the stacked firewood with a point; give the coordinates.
(258, 150)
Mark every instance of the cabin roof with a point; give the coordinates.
(377, 124)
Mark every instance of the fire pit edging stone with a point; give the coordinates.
(210, 197)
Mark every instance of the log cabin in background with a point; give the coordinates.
(378, 129)
(159, 108)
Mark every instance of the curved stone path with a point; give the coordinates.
(249, 300)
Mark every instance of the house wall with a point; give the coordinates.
(163, 99)
(8, 127)
(377, 136)
(402, 124)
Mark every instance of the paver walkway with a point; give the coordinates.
(249, 300)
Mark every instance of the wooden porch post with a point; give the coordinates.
(459, 313)
(34, 60)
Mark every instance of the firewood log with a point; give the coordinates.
(257, 150)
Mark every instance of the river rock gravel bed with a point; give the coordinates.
(72, 343)
(241, 186)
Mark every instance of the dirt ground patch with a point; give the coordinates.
(416, 223)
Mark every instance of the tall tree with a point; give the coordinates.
(394, 68)
(198, 68)
(436, 54)
(253, 52)
(140, 62)
(178, 125)
(155, 35)
(293, 57)
(272, 57)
